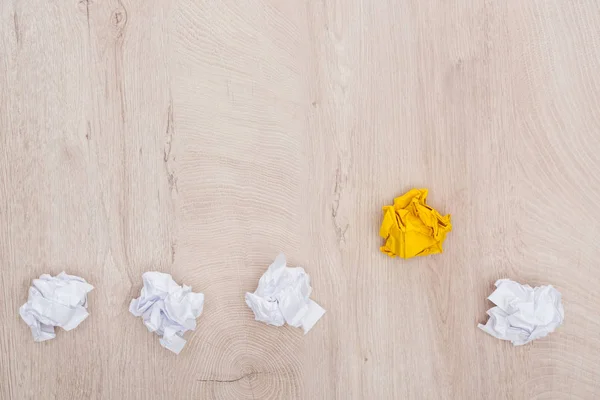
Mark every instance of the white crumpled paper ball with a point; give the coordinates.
(523, 313)
(283, 295)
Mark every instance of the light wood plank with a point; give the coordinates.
(202, 138)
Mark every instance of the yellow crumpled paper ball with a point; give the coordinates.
(412, 228)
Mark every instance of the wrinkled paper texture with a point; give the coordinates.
(523, 313)
(168, 309)
(412, 228)
(55, 301)
(283, 296)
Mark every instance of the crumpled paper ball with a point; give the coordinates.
(59, 300)
(167, 308)
(523, 313)
(412, 228)
(283, 295)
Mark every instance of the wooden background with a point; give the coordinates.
(202, 137)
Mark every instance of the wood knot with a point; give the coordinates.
(84, 6)
(118, 20)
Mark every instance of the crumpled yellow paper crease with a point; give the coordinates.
(412, 228)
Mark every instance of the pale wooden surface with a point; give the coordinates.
(202, 137)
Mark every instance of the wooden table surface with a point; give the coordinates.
(202, 137)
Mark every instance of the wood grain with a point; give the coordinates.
(200, 138)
